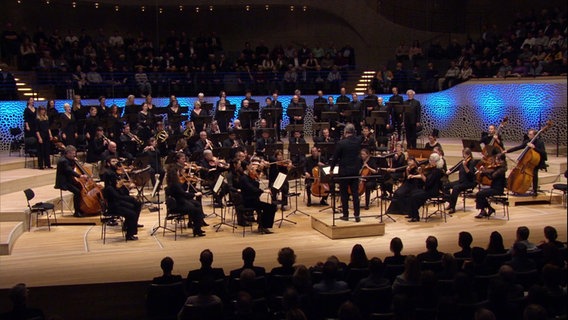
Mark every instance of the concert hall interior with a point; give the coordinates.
(304, 139)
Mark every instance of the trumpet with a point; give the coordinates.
(162, 136)
(135, 138)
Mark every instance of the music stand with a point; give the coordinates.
(224, 116)
(328, 178)
(248, 117)
(222, 153)
(271, 148)
(156, 192)
(294, 127)
(203, 121)
(278, 183)
(218, 138)
(244, 134)
(474, 145)
(299, 148)
(295, 173)
(271, 133)
(326, 148)
(295, 111)
(254, 105)
(317, 126)
(351, 114)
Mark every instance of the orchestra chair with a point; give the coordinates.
(467, 194)
(562, 187)
(439, 202)
(495, 261)
(239, 209)
(501, 199)
(39, 208)
(175, 216)
(30, 150)
(326, 304)
(15, 143)
(373, 300)
(109, 218)
(164, 301)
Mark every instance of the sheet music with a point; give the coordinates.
(327, 169)
(279, 181)
(218, 184)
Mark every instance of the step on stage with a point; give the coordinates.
(368, 227)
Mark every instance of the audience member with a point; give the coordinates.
(523, 237)
(410, 276)
(520, 262)
(286, 258)
(431, 253)
(329, 282)
(248, 256)
(496, 245)
(396, 248)
(20, 310)
(464, 241)
(358, 258)
(206, 270)
(167, 265)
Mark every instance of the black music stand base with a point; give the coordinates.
(282, 219)
(383, 212)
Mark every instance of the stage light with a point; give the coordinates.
(74, 4)
(211, 8)
(143, 8)
(161, 10)
(266, 7)
(180, 8)
(96, 5)
(116, 8)
(196, 9)
(47, 2)
(19, 2)
(292, 8)
(247, 7)
(305, 8)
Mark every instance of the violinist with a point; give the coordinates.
(65, 177)
(369, 167)
(431, 176)
(185, 199)
(211, 169)
(412, 181)
(117, 196)
(498, 182)
(466, 180)
(315, 160)
(538, 146)
(237, 168)
(250, 189)
(279, 165)
(395, 171)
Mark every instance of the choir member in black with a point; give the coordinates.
(369, 168)
(68, 126)
(498, 182)
(491, 134)
(145, 123)
(174, 116)
(196, 116)
(396, 99)
(371, 97)
(315, 160)
(279, 165)
(114, 123)
(102, 108)
(248, 97)
(343, 98)
(119, 201)
(346, 156)
(368, 140)
(233, 142)
(431, 175)
(245, 115)
(251, 192)
(538, 146)
(465, 181)
(355, 105)
(320, 100)
(152, 153)
(80, 112)
(53, 116)
(295, 116)
(274, 119)
(185, 198)
(221, 117)
(412, 119)
(65, 177)
(383, 130)
(211, 169)
(264, 141)
(97, 145)
(30, 114)
(43, 135)
(301, 100)
(92, 123)
(395, 171)
(433, 140)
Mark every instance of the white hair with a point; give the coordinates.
(438, 159)
(410, 91)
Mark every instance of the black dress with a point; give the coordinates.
(44, 148)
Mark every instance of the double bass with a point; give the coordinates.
(91, 192)
(520, 179)
(487, 159)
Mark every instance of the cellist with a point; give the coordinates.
(498, 181)
(65, 177)
(369, 167)
(538, 146)
(315, 160)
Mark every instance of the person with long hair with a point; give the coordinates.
(43, 135)
(496, 245)
(498, 182)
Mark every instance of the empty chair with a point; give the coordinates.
(164, 300)
(326, 304)
(374, 300)
(494, 261)
(39, 208)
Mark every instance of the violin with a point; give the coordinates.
(215, 162)
(254, 171)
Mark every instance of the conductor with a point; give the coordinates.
(346, 156)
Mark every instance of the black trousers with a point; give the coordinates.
(194, 211)
(44, 153)
(309, 183)
(481, 197)
(285, 190)
(76, 197)
(457, 189)
(344, 185)
(130, 210)
(266, 212)
(410, 135)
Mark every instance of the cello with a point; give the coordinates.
(487, 159)
(91, 192)
(318, 189)
(520, 179)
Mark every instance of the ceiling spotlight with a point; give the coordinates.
(247, 7)
(96, 5)
(161, 10)
(211, 8)
(180, 8)
(116, 8)
(19, 1)
(292, 8)
(266, 7)
(46, 1)
(305, 8)
(74, 4)
(142, 8)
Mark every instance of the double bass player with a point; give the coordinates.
(65, 177)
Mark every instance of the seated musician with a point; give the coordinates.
(261, 143)
(65, 177)
(370, 167)
(129, 143)
(237, 168)
(279, 165)
(263, 124)
(97, 145)
(492, 134)
(185, 197)
(368, 139)
(412, 181)
(433, 140)
(119, 201)
(431, 176)
(161, 138)
(315, 160)
(237, 124)
(111, 151)
(151, 153)
(395, 171)
(236, 144)
(249, 186)
(296, 138)
(325, 137)
(203, 143)
(466, 180)
(211, 169)
(498, 182)
(213, 128)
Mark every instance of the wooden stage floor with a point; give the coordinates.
(75, 254)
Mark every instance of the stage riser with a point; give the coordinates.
(11, 231)
(28, 182)
(350, 229)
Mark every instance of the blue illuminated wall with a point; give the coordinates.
(462, 111)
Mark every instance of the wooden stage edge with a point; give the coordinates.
(368, 227)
